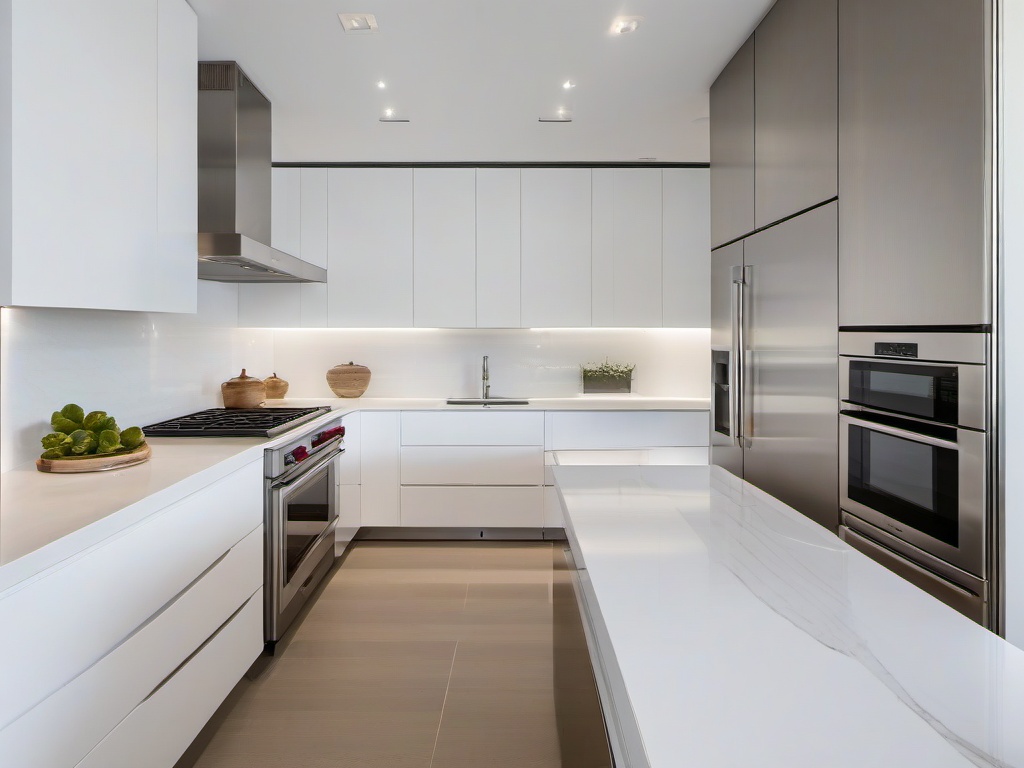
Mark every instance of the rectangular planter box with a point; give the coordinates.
(606, 384)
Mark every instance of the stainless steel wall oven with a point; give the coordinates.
(914, 454)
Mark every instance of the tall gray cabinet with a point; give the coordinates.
(732, 148)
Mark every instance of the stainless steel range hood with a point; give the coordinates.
(234, 184)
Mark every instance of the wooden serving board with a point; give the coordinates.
(95, 463)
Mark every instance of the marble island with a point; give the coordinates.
(728, 630)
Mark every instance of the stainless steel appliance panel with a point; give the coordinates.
(973, 606)
(726, 450)
(732, 148)
(791, 395)
(923, 455)
(972, 387)
(914, 193)
(926, 345)
(796, 108)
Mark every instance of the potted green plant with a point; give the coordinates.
(607, 377)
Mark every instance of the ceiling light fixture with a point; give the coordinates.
(358, 22)
(381, 84)
(568, 85)
(561, 116)
(390, 116)
(622, 25)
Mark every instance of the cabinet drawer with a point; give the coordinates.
(62, 728)
(473, 506)
(595, 430)
(162, 726)
(473, 465)
(64, 622)
(476, 428)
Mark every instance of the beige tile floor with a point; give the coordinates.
(420, 655)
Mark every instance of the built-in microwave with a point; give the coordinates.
(913, 456)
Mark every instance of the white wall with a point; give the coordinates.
(140, 367)
(670, 362)
(1011, 320)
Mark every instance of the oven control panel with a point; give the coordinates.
(895, 349)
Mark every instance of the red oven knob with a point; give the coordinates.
(327, 435)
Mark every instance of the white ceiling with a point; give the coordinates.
(473, 76)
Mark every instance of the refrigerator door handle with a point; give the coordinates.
(736, 357)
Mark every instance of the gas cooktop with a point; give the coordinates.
(235, 422)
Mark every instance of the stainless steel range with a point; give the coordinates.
(300, 497)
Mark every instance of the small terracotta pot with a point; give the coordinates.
(243, 392)
(348, 380)
(276, 388)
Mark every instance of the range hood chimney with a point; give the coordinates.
(234, 184)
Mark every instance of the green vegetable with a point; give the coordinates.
(63, 424)
(73, 412)
(52, 453)
(109, 441)
(103, 426)
(132, 437)
(82, 442)
(55, 440)
(95, 420)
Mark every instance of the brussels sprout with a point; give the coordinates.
(103, 426)
(62, 424)
(95, 420)
(52, 453)
(82, 442)
(109, 441)
(73, 412)
(56, 440)
(132, 437)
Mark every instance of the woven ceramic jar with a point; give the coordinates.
(276, 388)
(348, 380)
(243, 392)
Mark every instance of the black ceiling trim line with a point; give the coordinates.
(636, 164)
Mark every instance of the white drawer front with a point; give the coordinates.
(472, 507)
(475, 428)
(473, 465)
(160, 729)
(593, 430)
(61, 624)
(61, 729)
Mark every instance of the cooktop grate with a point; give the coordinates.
(235, 422)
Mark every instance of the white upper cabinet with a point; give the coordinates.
(286, 210)
(556, 233)
(313, 216)
(686, 247)
(497, 248)
(444, 247)
(626, 252)
(102, 148)
(369, 248)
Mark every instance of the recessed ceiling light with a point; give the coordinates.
(358, 22)
(381, 84)
(391, 116)
(622, 25)
(562, 115)
(568, 85)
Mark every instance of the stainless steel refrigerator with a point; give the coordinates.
(774, 330)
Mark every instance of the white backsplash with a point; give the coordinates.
(140, 367)
(670, 362)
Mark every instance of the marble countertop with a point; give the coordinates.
(746, 635)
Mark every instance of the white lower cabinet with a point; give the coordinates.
(472, 506)
(91, 640)
(159, 730)
(473, 465)
(380, 473)
(598, 430)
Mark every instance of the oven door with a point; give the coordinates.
(302, 516)
(923, 483)
(949, 393)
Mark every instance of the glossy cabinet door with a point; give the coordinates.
(313, 216)
(726, 449)
(626, 247)
(102, 153)
(556, 234)
(685, 246)
(444, 247)
(791, 440)
(380, 469)
(497, 248)
(795, 108)
(732, 148)
(370, 251)
(914, 96)
(286, 210)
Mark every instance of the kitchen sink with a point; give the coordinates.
(486, 401)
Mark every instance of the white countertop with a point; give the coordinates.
(746, 635)
(48, 518)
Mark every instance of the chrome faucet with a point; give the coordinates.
(486, 381)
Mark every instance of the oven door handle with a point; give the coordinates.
(310, 470)
(906, 434)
